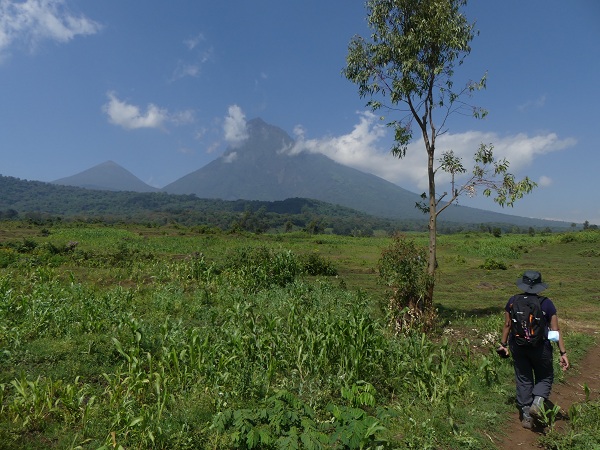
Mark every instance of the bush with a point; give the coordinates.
(258, 268)
(590, 253)
(492, 264)
(284, 421)
(314, 264)
(403, 268)
(7, 257)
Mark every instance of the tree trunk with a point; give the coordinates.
(432, 262)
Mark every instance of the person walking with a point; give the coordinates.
(532, 355)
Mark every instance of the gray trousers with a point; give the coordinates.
(534, 372)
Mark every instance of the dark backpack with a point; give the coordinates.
(528, 321)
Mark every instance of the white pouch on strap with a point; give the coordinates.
(553, 336)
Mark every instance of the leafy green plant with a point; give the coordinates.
(8, 257)
(199, 268)
(285, 422)
(584, 427)
(359, 394)
(403, 268)
(33, 403)
(354, 428)
(548, 415)
(315, 264)
(492, 264)
(259, 268)
(489, 367)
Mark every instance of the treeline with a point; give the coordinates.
(43, 203)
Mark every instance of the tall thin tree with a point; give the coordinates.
(406, 68)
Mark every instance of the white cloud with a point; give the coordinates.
(193, 42)
(213, 147)
(299, 132)
(362, 148)
(262, 76)
(32, 21)
(230, 157)
(367, 148)
(130, 117)
(182, 117)
(236, 131)
(537, 103)
(193, 68)
(544, 181)
(200, 133)
(185, 69)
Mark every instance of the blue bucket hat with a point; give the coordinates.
(531, 282)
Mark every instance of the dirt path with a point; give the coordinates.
(584, 372)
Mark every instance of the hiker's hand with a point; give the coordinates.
(503, 352)
(564, 362)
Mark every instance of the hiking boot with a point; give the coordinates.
(526, 419)
(535, 410)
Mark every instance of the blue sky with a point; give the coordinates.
(162, 88)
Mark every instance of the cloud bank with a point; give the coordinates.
(33, 21)
(366, 148)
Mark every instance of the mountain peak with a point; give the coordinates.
(108, 163)
(263, 141)
(108, 176)
(257, 121)
(260, 168)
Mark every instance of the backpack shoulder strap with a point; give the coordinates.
(517, 297)
(542, 300)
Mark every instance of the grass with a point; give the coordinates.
(169, 338)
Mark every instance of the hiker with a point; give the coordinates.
(532, 351)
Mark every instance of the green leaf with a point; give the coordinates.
(253, 438)
(135, 421)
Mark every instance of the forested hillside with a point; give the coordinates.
(39, 202)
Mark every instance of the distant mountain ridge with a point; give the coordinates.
(41, 203)
(263, 169)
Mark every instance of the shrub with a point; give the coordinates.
(590, 253)
(403, 268)
(314, 264)
(284, 421)
(258, 268)
(7, 257)
(566, 238)
(492, 264)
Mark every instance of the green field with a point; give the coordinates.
(142, 337)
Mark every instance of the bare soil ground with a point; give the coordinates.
(583, 372)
